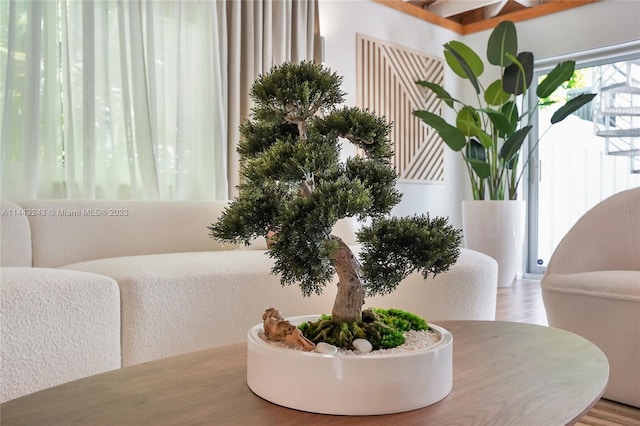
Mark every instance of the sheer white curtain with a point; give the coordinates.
(113, 99)
(136, 99)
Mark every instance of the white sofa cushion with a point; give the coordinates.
(184, 302)
(603, 307)
(57, 326)
(614, 285)
(77, 230)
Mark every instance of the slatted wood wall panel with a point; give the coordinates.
(386, 76)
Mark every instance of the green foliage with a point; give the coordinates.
(489, 135)
(560, 75)
(361, 128)
(379, 179)
(390, 338)
(517, 77)
(401, 320)
(392, 248)
(258, 137)
(292, 181)
(383, 328)
(302, 249)
(503, 41)
(293, 160)
(294, 93)
(252, 215)
(577, 80)
(294, 187)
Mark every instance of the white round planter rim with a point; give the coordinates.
(445, 339)
(370, 384)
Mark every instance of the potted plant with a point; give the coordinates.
(294, 189)
(490, 134)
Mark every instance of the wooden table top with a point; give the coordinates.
(504, 374)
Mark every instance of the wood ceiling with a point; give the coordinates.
(468, 16)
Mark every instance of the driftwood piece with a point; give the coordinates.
(277, 329)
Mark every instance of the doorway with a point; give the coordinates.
(588, 157)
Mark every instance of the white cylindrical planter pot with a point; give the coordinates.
(496, 228)
(343, 384)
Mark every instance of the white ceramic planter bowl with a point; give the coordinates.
(349, 384)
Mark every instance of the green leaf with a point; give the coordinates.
(440, 92)
(510, 110)
(453, 137)
(475, 150)
(464, 62)
(482, 168)
(467, 120)
(485, 139)
(494, 95)
(501, 122)
(517, 76)
(558, 75)
(477, 158)
(514, 143)
(466, 56)
(571, 106)
(503, 40)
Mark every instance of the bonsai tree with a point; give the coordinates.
(295, 188)
(490, 134)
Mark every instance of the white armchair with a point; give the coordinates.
(591, 287)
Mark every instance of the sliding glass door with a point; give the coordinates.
(589, 156)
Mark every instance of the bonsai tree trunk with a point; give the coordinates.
(350, 298)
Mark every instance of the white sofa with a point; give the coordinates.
(55, 325)
(591, 287)
(115, 283)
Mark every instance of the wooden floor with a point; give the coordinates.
(522, 302)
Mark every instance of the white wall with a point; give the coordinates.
(596, 25)
(600, 24)
(339, 23)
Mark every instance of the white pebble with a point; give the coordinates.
(326, 348)
(363, 346)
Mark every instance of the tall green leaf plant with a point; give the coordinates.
(491, 134)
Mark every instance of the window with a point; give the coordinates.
(112, 99)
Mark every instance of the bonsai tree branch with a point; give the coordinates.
(295, 189)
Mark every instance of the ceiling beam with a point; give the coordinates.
(547, 8)
(448, 8)
(528, 3)
(543, 9)
(423, 14)
(494, 9)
